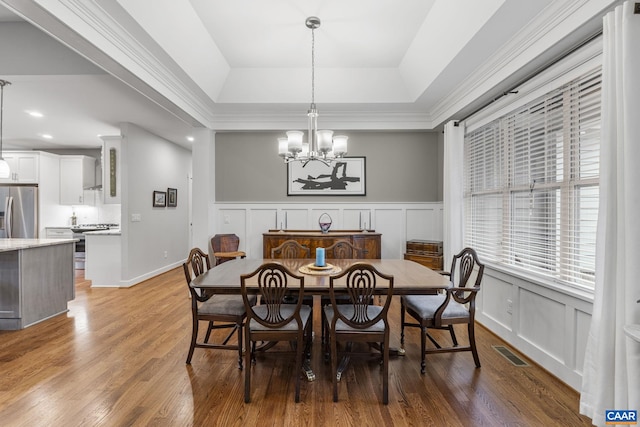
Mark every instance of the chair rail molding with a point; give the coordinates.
(397, 222)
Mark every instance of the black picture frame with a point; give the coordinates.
(159, 199)
(342, 177)
(172, 197)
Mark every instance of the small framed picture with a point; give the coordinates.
(172, 197)
(159, 199)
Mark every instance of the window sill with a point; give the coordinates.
(583, 294)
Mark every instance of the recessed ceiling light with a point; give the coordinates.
(190, 139)
(46, 136)
(34, 113)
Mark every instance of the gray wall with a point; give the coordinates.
(151, 163)
(400, 167)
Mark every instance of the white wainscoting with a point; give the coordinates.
(398, 222)
(547, 324)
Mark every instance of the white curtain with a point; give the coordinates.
(453, 203)
(611, 375)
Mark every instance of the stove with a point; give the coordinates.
(78, 233)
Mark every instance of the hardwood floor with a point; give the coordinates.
(118, 358)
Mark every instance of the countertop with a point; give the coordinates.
(111, 232)
(17, 244)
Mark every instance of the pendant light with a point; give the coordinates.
(5, 171)
(321, 144)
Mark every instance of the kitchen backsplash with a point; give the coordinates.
(99, 214)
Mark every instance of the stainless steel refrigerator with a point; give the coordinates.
(19, 211)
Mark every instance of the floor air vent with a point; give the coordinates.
(508, 354)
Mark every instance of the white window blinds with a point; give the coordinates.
(531, 184)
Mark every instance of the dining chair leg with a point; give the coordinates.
(423, 349)
(385, 373)
(402, 317)
(308, 339)
(209, 329)
(194, 337)
(247, 371)
(334, 366)
(300, 350)
(472, 343)
(239, 326)
(453, 336)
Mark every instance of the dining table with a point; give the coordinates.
(410, 278)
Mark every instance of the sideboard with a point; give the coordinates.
(369, 241)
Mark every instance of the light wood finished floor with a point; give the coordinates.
(117, 358)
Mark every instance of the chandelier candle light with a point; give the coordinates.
(5, 171)
(321, 145)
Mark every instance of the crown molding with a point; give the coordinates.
(105, 34)
(537, 37)
(360, 120)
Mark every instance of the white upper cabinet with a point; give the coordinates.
(76, 174)
(24, 167)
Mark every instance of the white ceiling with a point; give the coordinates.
(245, 64)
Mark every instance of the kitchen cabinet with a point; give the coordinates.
(59, 233)
(24, 167)
(77, 173)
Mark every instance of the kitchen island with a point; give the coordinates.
(37, 280)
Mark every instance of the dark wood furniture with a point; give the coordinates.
(225, 248)
(227, 309)
(456, 305)
(368, 242)
(409, 277)
(343, 249)
(290, 249)
(359, 321)
(425, 252)
(273, 321)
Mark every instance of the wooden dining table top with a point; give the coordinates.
(409, 276)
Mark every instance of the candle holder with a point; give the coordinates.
(325, 222)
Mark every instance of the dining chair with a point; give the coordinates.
(290, 249)
(359, 321)
(229, 310)
(225, 248)
(457, 305)
(272, 320)
(343, 249)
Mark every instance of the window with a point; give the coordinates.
(531, 184)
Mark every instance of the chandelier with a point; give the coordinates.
(321, 144)
(5, 171)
